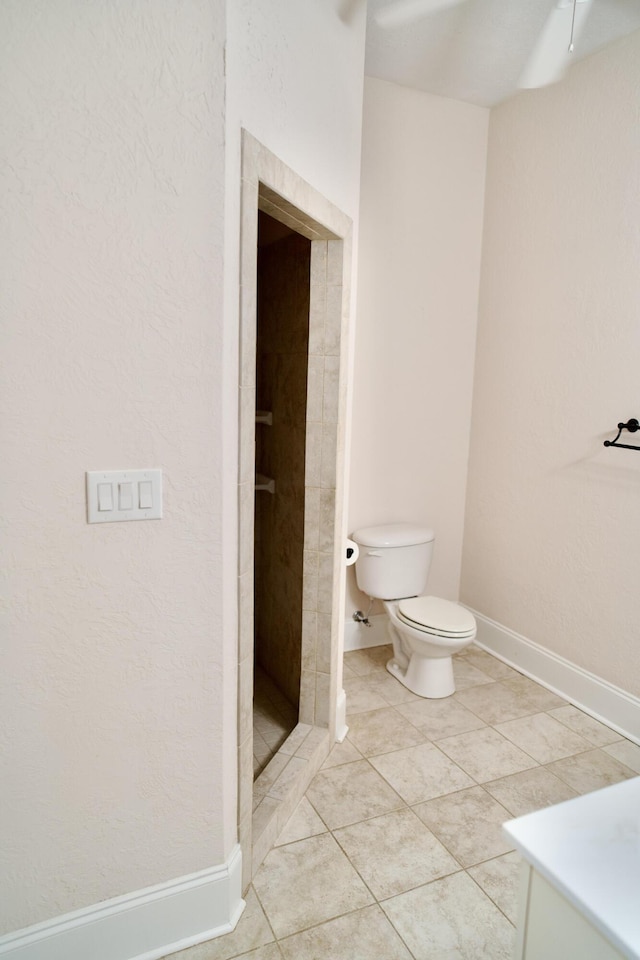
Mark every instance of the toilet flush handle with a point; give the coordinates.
(373, 553)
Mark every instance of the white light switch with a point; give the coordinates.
(124, 495)
(105, 497)
(145, 494)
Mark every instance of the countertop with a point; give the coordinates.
(588, 848)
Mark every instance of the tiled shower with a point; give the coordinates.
(284, 259)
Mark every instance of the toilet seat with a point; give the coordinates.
(437, 617)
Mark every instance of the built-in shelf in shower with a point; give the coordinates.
(264, 416)
(265, 483)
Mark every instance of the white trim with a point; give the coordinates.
(144, 925)
(358, 636)
(597, 697)
(341, 717)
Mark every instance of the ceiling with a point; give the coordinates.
(476, 50)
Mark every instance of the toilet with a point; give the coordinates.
(393, 566)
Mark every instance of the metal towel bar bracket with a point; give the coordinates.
(631, 425)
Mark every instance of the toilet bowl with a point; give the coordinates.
(393, 565)
(426, 632)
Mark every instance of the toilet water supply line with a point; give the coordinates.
(361, 617)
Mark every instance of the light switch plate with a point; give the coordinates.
(138, 491)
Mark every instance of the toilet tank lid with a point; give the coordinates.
(393, 535)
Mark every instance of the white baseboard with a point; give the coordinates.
(144, 925)
(600, 699)
(358, 636)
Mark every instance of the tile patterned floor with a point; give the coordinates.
(396, 851)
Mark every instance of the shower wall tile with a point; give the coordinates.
(319, 259)
(245, 771)
(333, 322)
(325, 582)
(246, 496)
(309, 639)
(317, 315)
(247, 429)
(328, 461)
(313, 455)
(310, 581)
(307, 696)
(315, 388)
(326, 519)
(323, 650)
(245, 615)
(334, 263)
(323, 697)
(331, 392)
(245, 839)
(312, 517)
(245, 701)
(325, 323)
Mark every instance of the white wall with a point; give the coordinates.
(112, 321)
(295, 78)
(423, 168)
(120, 311)
(552, 517)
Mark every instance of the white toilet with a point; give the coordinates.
(393, 566)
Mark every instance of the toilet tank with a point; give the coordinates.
(394, 560)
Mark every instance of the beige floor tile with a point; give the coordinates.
(381, 731)
(363, 662)
(467, 675)
(592, 730)
(390, 689)
(507, 699)
(308, 882)
(469, 824)
(451, 918)
(537, 697)
(543, 738)
(395, 852)
(493, 703)
(440, 718)
(485, 754)
(362, 695)
(269, 952)
(252, 931)
(421, 773)
(531, 790)
(490, 665)
(350, 793)
(591, 771)
(344, 752)
(346, 670)
(362, 935)
(304, 822)
(626, 752)
(499, 879)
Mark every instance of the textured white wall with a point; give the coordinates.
(120, 309)
(111, 297)
(423, 168)
(552, 519)
(295, 79)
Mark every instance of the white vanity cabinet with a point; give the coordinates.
(580, 877)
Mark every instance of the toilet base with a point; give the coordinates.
(431, 678)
